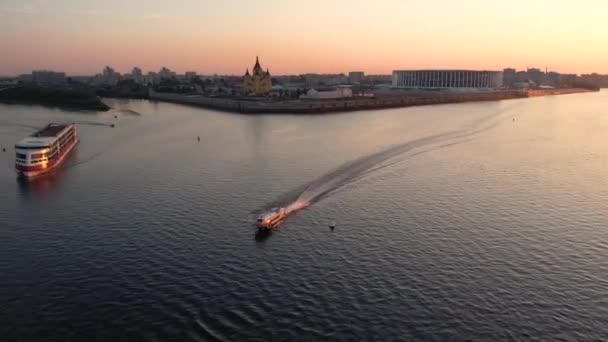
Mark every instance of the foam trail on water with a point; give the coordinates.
(93, 123)
(354, 170)
(10, 124)
(359, 168)
(125, 111)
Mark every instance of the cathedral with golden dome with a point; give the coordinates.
(259, 82)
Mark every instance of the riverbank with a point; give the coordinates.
(564, 91)
(53, 97)
(397, 99)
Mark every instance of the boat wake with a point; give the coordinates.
(126, 111)
(18, 125)
(359, 168)
(93, 123)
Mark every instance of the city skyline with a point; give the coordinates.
(293, 38)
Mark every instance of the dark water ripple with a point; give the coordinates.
(491, 230)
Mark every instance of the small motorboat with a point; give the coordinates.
(270, 219)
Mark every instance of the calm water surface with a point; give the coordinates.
(479, 221)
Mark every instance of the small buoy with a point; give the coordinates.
(115, 116)
(112, 125)
(332, 226)
(198, 138)
(3, 149)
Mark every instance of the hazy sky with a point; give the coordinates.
(295, 36)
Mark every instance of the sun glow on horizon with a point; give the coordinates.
(295, 37)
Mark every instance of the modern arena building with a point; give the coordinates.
(447, 79)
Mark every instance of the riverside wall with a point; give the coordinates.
(342, 105)
(557, 91)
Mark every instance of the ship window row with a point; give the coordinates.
(65, 138)
(51, 155)
(30, 147)
(54, 149)
(65, 142)
(40, 156)
(70, 132)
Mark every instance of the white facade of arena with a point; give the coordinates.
(447, 79)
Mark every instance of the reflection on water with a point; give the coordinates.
(41, 186)
(454, 222)
(44, 185)
(263, 235)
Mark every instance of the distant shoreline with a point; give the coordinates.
(354, 104)
(80, 100)
(52, 97)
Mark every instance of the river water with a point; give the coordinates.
(475, 221)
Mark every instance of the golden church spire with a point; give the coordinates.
(259, 81)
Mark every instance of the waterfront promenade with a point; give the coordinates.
(402, 99)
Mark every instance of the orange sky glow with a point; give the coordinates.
(293, 37)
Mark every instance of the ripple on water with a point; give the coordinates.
(498, 235)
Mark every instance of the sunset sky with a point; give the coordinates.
(291, 37)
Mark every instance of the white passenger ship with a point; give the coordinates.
(45, 150)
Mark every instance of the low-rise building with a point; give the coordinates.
(190, 76)
(593, 79)
(151, 78)
(137, 76)
(25, 78)
(566, 80)
(377, 79)
(107, 77)
(48, 77)
(355, 77)
(165, 73)
(509, 77)
(325, 79)
(7, 81)
(329, 94)
(534, 77)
